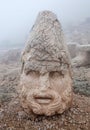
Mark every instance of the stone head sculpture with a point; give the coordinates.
(46, 83)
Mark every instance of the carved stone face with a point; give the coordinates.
(46, 93)
(46, 84)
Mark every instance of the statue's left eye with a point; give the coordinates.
(33, 73)
(55, 74)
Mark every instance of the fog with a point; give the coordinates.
(18, 16)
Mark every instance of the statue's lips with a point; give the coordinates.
(43, 99)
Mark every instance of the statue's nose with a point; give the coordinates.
(44, 81)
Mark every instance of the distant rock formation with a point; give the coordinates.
(72, 47)
(11, 56)
(80, 33)
(46, 81)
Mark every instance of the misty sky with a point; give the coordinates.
(18, 16)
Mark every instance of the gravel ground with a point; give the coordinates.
(81, 78)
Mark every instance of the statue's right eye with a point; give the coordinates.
(32, 73)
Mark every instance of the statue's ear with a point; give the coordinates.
(22, 61)
(22, 66)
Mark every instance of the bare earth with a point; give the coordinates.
(12, 116)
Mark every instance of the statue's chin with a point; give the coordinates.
(43, 111)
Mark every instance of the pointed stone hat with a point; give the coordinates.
(45, 49)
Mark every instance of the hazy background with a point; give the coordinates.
(18, 16)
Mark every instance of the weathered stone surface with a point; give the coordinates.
(46, 82)
(83, 56)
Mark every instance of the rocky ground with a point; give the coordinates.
(81, 78)
(12, 116)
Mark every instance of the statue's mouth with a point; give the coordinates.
(42, 99)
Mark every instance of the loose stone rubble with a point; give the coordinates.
(83, 56)
(46, 83)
